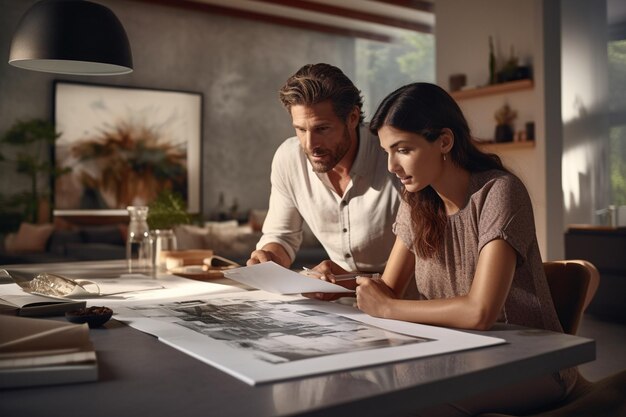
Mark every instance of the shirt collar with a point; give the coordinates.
(363, 161)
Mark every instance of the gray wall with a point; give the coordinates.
(585, 109)
(237, 64)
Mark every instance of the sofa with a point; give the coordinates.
(43, 243)
(236, 241)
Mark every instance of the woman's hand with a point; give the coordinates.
(373, 296)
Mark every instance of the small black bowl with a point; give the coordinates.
(93, 316)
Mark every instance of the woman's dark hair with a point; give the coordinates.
(426, 109)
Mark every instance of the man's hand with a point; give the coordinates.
(259, 256)
(326, 271)
(270, 252)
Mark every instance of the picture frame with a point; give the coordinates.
(121, 146)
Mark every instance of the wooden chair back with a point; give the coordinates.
(573, 284)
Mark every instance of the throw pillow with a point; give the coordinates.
(190, 237)
(235, 242)
(29, 238)
(226, 239)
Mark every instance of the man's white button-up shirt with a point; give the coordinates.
(354, 229)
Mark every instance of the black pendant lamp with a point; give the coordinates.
(71, 37)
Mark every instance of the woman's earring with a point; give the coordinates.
(444, 157)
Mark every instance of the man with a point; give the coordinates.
(333, 175)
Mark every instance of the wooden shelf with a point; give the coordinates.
(505, 146)
(493, 89)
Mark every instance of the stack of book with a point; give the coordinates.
(44, 352)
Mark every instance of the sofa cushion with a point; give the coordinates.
(95, 251)
(190, 237)
(226, 239)
(29, 238)
(61, 238)
(256, 218)
(102, 234)
(236, 242)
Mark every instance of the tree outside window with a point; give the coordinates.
(383, 67)
(617, 106)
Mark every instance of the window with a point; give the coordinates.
(383, 67)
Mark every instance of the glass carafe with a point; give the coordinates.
(138, 242)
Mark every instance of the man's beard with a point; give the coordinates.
(333, 156)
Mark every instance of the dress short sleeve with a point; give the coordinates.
(402, 227)
(507, 214)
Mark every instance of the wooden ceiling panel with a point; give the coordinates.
(371, 19)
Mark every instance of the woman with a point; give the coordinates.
(465, 228)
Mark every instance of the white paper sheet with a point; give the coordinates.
(125, 284)
(271, 277)
(127, 289)
(261, 337)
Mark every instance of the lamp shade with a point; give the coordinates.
(71, 37)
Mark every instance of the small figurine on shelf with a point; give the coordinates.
(504, 126)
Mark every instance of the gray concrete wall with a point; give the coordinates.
(238, 65)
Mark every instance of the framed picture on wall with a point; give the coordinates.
(122, 146)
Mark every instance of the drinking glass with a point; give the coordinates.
(162, 240)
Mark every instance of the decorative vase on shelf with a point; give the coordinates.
(505, 117)
(504, 133)
(138, 242)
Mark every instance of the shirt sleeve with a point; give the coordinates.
(507, 214)
(283, 224)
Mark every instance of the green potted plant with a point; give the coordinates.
(167, 210)
(164, 213)
(34, 138)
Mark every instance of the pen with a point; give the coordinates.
(340, 277)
